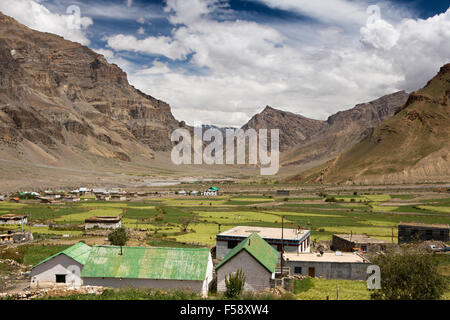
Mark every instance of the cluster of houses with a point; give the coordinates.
(257, 251)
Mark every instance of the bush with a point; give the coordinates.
(234, 284)
(409, 275)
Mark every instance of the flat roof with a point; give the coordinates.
(265, 233)
(360, 238)
(417, 224)
(327, 257)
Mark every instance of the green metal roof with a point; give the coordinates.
(256, 247)
(147, 263)
(78, 252)
(214, 189)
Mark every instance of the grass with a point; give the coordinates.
(30, 254)
(320, 289)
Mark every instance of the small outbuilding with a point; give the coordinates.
(63, 268)
(352, 242)
(412, 231)
(284, 193)
(103, 222)
(149, 267)
(329, 265)
(257, 260)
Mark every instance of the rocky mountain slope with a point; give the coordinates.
(306, 141)
(413, 145)
(293, 128)
(61, 102)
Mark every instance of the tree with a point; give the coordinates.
(118, 237)
(184, 223)
(409, 275)
(234, 284)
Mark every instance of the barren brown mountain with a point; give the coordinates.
(414, 145)
(306, 141)
(61, 102)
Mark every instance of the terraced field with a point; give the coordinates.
(371, 214)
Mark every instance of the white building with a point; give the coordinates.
(103, 222)
(257, 260)
(13, 219)
(63, 268)
(330, 265)
(293, 240)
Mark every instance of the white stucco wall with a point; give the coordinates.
(332, 270)
(45, 274)
(257, 277)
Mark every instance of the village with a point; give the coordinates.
(193, 241)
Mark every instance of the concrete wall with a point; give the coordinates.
(332, 270)
(45, 274)
(257, 277)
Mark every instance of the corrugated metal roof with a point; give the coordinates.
(147, 263)
(78, 252)
(258, 248)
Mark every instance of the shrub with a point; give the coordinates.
(409, 275)
(234, 284)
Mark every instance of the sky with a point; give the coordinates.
(222, 61)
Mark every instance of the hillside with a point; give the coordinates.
(293, 128)
(306, 141)
(63, 104)
(411, 146)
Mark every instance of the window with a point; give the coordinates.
(298, 270)
(364, 248)
(60, 278)
(232, 244)
(429, 234)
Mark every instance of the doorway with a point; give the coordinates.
(312, 272)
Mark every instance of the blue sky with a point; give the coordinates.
(221, 61)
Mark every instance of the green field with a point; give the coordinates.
(204, 215)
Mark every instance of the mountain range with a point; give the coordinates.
(64, 105)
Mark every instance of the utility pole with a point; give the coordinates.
(282, 244)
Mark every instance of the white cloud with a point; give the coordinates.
(37, 16)
(141, 31)
(129, 3)
(249, 65)
(151, 45)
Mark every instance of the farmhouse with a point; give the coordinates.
(350, 243)
(411, 231)
(118, 197)
(63, 268)
(103, 222)
(293, 240)
(285, 193)
(13, 219)
(333, 265)
(142, 267)
(257, 260)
